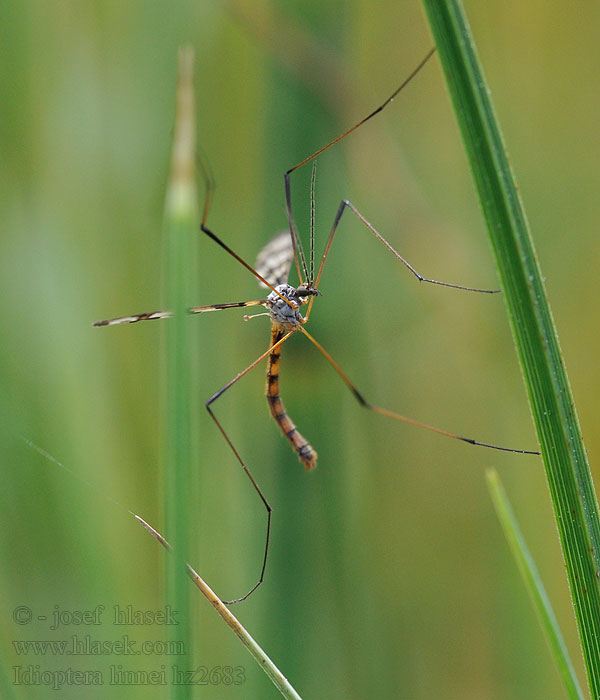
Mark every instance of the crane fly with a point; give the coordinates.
(283, 307)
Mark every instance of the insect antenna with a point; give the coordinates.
(299, 254)
(313, 180)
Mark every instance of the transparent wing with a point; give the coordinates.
(275, 259)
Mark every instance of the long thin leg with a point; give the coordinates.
(342, 208)
(151, 316)
(396, 416)
(369, 116)
(209, 187)
(248, 473)
(231, 252)
(288, 191)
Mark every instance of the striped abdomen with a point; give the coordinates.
(305, 452)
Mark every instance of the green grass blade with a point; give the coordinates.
(534, 585)
(277, 678)
(182, 224)
(181, 227)
(567, 469)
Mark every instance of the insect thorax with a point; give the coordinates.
(280, 311)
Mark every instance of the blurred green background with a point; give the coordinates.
(388, 575)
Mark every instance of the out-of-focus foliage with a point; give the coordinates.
(388, 573)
